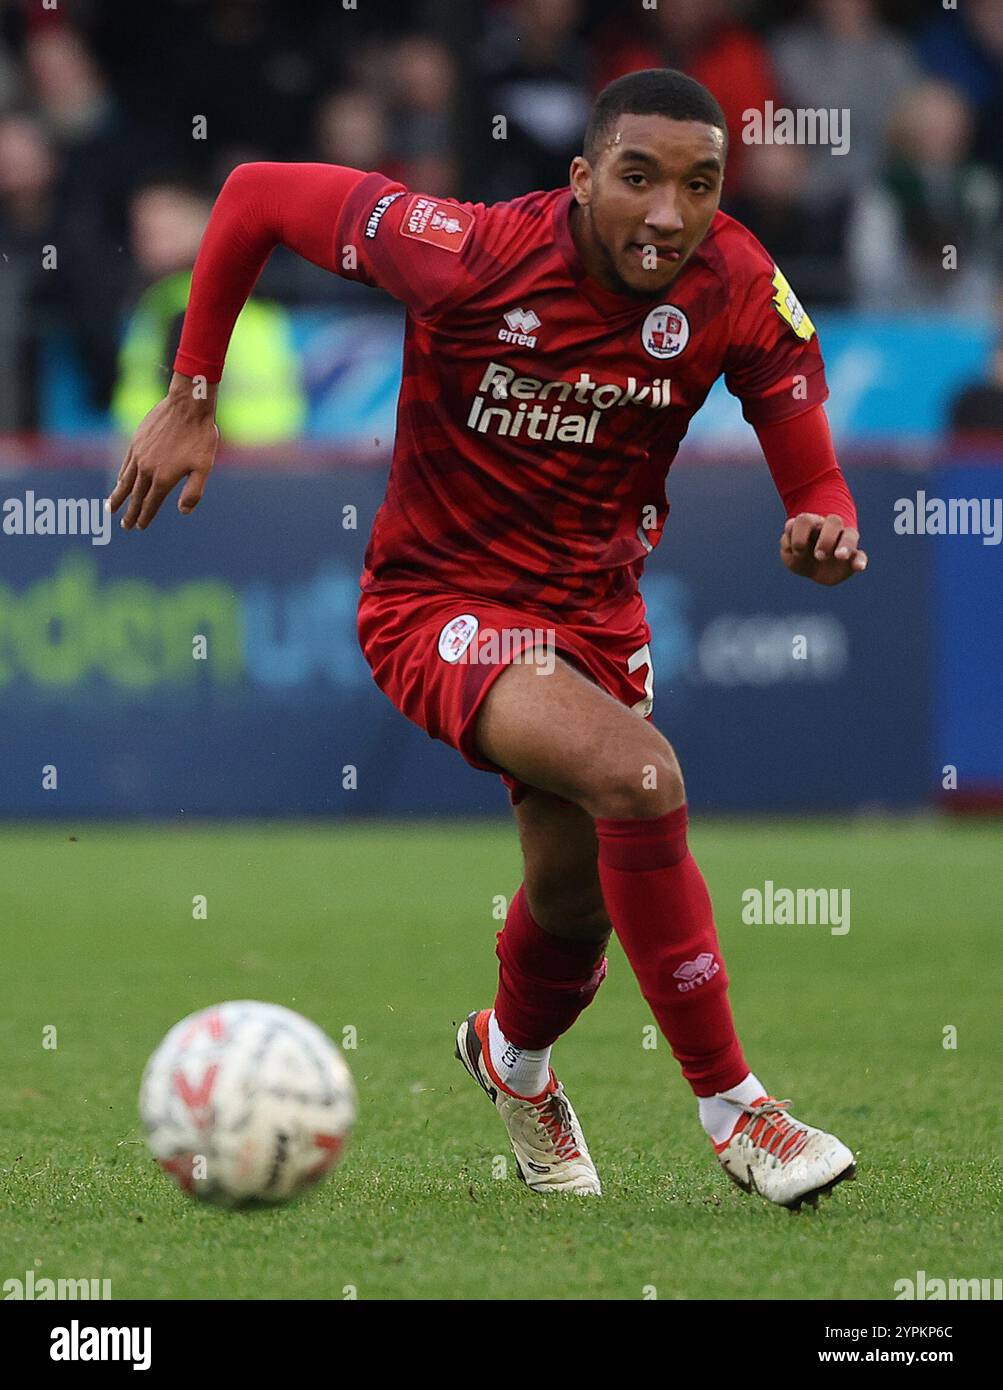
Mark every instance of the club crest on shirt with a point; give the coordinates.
(789, 307)
(440, 224)
(666, 331)
(456, 637)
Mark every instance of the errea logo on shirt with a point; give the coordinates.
(441, 224)
(521, 328)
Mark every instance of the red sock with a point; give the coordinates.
(544, 981)
(661, 911)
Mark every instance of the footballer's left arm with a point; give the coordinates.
(774, 366)
(820, 539)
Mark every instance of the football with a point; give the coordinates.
(246, 1102)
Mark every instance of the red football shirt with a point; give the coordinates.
(539, 412)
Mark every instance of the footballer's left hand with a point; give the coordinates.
(821, 548)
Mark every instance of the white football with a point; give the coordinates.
(246, 1102)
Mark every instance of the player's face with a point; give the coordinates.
(648, 201)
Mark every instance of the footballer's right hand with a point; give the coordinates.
(176, 440)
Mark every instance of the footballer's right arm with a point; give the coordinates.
(261, 206)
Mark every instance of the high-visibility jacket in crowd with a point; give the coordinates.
(261, 397)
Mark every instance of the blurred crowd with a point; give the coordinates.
(119, 122)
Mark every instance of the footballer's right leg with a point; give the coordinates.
(567, 736)
(552, 948)
(552, 960)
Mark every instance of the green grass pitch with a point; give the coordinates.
(388, 929)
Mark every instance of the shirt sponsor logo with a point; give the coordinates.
(376, 216)
(789, 307)
(666, 331)
(456, 637)
(532, 408)
(440, 224)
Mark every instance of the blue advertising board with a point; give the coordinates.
(779, 695)
(967, 626)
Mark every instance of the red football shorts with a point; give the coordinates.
(435, 656)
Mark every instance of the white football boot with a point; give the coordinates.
(550, 1149)
(784, 1160)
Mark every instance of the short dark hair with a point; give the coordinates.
(651, 92)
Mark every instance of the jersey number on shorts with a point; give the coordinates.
(642, 657)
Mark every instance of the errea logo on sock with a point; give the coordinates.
(696, 972)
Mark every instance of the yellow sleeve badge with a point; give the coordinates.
(789, 307)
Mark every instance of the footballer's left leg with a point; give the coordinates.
(552, 960)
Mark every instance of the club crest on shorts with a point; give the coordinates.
(456, 637)
(666, 331)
